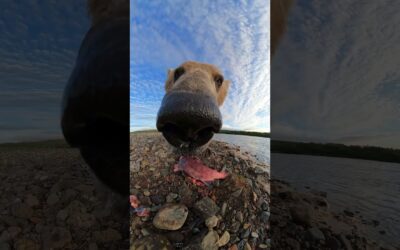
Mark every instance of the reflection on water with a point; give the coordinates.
(259, 146)
(370, 187)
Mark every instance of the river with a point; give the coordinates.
(370, 187)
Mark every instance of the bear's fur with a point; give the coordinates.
(100, 10)
(198, 77)
(279, 16)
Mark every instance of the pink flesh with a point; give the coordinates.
(140, 211)
(195, 169)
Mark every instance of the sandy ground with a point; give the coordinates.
(49, 201)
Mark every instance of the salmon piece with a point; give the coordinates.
(194, 168)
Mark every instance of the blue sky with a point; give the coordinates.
(234, 35)
(38, 47)
(338, 74)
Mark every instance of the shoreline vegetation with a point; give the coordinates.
(223, 131)
(287, 147)
(336, 150)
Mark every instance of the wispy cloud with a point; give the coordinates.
(234, 35)
(338, 73)
(38, 45)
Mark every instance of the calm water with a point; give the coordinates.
(371, 187)
(259, 146)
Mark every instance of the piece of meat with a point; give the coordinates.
(195, 169)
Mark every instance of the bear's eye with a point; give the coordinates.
(218, 79)
(178, 73)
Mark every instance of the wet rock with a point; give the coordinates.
(171, 217)
(206, 207)
(152, 242)
(209, 242)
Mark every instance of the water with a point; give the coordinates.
(370, 187)
(259, 146)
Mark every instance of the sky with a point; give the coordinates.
(338, 74)
(38, 47)
(233, 35)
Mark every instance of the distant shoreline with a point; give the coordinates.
(287, 147)
(336, 150)
(223, 131)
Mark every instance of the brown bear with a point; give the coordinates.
(95, 109)
(189, 114)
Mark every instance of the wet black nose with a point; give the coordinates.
(188, 119)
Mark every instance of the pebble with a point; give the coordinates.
(209, 242)
(52, 199)
(171, 217)
(224, 239)
(223, 209)
(315, 234)
(171, 197)
(152, 242)
(264, 216)
(245, 234)
(146, 193)
(206, 207)
(239, 216)
(212, 222)
(254, 234)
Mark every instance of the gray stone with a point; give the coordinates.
(171, 217)
(315, 234)
(152, 242)
(206, 207)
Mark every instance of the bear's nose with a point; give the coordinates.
(188, 119)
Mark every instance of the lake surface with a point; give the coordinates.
(371, 187)
(259, 146)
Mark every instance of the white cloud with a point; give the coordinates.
(232, 35)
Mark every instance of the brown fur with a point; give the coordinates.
(198, 77)
(279, 15)
(100, 10)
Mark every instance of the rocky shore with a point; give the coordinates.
(232, 213)
(49, 201)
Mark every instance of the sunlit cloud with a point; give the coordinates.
(233, 35)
